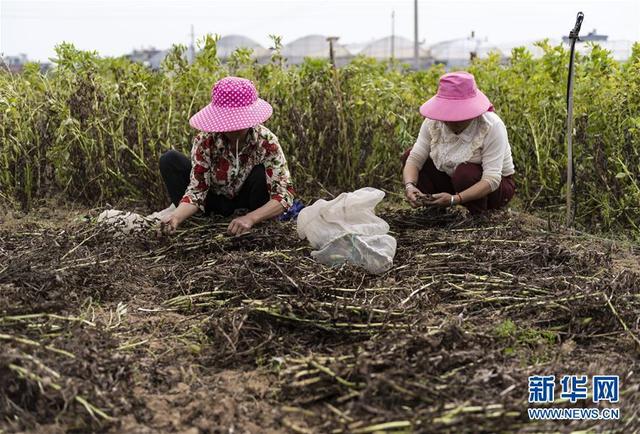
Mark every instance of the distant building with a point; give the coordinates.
(398, 47)
(155, 61)
(620, 49)
(531, 46)
(356, 47)
(227, 45)
(591, 36)
(152, 57)
(455, 53)
(314, 46)
(14, 64)
(144, 56)
(459, 52)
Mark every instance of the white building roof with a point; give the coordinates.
(230, 43)
(356, 47)
(620, 49)
(458, 51)
(531, 46)
(312, 46)
(402, 48)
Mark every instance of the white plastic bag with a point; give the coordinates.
(346, 229)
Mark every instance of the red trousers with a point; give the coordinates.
(431, 180)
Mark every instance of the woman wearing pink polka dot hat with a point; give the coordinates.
(236, 162)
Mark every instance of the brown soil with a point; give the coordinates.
(204, 333)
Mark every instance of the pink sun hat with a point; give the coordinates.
(458, 99)
(234, 106)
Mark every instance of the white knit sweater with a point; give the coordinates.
(484, 142)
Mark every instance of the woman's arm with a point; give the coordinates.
(410, 181)
(415, 161)
(243, 224)
(183, 212)
(478, 190)
(410, 173)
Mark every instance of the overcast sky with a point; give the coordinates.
(115, 27)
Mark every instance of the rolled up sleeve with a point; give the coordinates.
(493, 152)
(277, 172)
(200, 178)
(421, 148)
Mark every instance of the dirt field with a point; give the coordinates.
(202, 333)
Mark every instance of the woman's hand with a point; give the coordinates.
(241, 225)
(414, 196)
(439, 199)
(169, 224)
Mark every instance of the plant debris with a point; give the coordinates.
(202, 332)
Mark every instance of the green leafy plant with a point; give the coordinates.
(92, 129)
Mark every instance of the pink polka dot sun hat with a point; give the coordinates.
(234, 106)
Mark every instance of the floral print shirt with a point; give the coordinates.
(220, 166)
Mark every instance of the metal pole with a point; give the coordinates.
(332, 56)
(415, 34)
(192, 47)
(573, 36)
(569, 199)
(393, 35)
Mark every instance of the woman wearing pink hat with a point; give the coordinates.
(236, 163)
(462, 154)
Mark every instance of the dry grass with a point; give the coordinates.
(207, 332)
